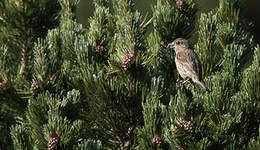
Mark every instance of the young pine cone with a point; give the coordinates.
(181, 4)
(187, 62)
(34, 87)
(53, 142)
(127, 59)
(157, 140)
(5, 82)
(188, 125)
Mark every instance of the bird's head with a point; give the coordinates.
(178, 43)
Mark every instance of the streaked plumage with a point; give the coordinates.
(187, 62)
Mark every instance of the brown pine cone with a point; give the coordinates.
(188, 125)
(157, 140)
(53, 142)
(34, 87)
(127, 59)
(181, 4)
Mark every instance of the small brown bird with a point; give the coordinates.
(187, 62)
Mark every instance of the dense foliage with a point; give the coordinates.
(114, 84)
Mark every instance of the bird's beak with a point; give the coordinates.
(171, 45)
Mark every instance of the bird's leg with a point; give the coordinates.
(185, 80)
(182, 86)
(191, 82)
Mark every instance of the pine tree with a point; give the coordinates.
(114, 84)
(21, 24)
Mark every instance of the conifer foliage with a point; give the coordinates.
(114, 84)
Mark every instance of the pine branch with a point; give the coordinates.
(172, 21)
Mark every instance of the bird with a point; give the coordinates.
(187, 62)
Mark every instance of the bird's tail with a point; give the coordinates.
(203, 86)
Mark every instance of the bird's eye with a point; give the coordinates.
(178, 42)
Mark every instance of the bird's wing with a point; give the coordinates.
(190, 62)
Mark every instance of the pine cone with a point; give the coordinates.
(157, 140)
(188, 125)
(130, 131)
(100, 48)
(53, 142)
(4, 83)
(34, 87)
(127, 59)
(181, 4)
(224, 116)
